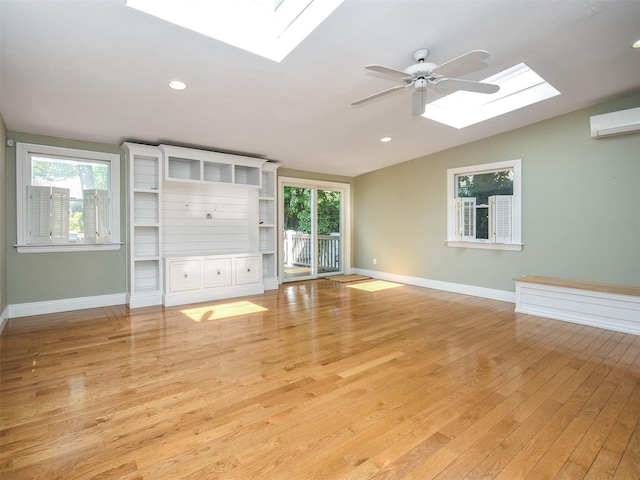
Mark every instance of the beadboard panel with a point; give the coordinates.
(232, 226)
(145, 210)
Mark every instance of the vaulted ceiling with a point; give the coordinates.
(98, 70)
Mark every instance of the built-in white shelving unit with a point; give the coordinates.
(144, 235)
(201, 225)
(267, 234)
(201, 166)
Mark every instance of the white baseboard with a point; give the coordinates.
(139, 300)
(493, 294)
(211, 294)
(65, 305)
(4, 318)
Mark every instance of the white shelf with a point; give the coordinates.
(184, 169)
(267, 237)
(144, 252)
(268, 189)
(180, 199)
(146, 276)
(217, 172)
(201, 166)
(245, 175)
(145, 173)
(146, 207)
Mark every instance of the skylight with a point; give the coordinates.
(519, 86)
(269, 28)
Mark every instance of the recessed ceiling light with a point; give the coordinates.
(177, 85)
(385, 139)
(636, 44)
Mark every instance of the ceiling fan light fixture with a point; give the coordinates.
(424, 75)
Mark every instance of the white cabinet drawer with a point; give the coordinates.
(248, 269)
(184, 275)
(217, 272)
(193, 279)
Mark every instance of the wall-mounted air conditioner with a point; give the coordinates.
(615, 123)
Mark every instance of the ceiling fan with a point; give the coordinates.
(423, 75)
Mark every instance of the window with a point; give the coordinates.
(271, 29)
(484, 206)
(519, 87)
(67, 199)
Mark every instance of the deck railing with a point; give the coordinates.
(298, 250)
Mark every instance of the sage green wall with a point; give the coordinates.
(3, 217)
(37, 277)
(325, 177)
(580, 208)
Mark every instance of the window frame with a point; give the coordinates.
(23, 176)
(516, 243)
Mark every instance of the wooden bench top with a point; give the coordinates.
(581, 284)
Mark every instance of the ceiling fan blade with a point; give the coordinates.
(454, 84)
(379, 94)
(388, 71)
(467, 63)
(418, 102)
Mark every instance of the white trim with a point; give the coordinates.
(23, 174)
(490, 293)
(270, 283)
(139, 300)
(516, 165)
(4, 318)
(65, 305)
(611, 311)
(345, 218)
(513, 247)
(211, 294)
(71, 247)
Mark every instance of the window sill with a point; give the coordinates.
(73, 247)
(513, 247)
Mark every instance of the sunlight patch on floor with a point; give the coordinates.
(224, 310)
(375, 285)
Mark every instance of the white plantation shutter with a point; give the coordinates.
(47, 215)
(466, 218)
(59, 215)
(96, 216)
(501, 218)
(38, 214)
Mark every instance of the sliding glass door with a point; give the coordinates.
(314, 219)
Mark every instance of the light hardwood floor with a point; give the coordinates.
(318, 380)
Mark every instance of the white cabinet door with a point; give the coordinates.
(184, 275)
(248, 269)
(217, 272)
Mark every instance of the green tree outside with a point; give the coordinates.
(482, 186)
(297, 208)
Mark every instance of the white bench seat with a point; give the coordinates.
(604, 305)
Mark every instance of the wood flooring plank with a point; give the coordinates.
(531, 453)
(629, 465)
(501, 456)
(319, 381)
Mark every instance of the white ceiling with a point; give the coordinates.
(97, 70)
